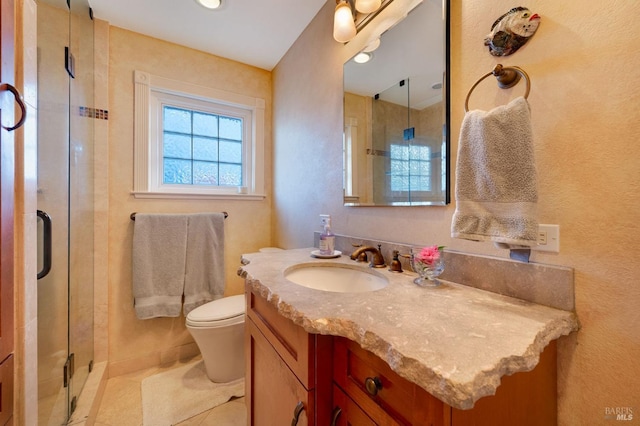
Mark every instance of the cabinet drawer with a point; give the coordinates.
(293, 344)
(354, 367)
(394, 397)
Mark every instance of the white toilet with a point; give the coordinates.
(218, 329)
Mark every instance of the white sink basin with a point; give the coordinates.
(339, 278)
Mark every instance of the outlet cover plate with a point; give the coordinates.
(548, 238)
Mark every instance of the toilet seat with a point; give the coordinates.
(218, 313)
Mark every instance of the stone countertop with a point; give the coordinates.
(454, 341)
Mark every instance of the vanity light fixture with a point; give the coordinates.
(368, 6)
(351, 16)
(344, 27)
(210, 4)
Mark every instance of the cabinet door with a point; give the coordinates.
(346, 412)
(273, 391)
(294, 345)
(6, 387)
(523, 399)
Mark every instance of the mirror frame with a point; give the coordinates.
(373, 31)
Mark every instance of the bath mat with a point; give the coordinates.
(181, 393)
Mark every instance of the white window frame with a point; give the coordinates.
(152, 93)
(350, 148)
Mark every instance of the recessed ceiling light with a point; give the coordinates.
(210, 4)
(362, 57)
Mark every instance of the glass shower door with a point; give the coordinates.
(53, 198)
(81, 197)
(65, 194)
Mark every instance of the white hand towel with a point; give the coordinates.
(496, 185)
(159, 250)
(204, 273)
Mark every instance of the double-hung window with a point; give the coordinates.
(192, 141)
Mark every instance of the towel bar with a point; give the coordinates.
(507, 77)
(133, 215)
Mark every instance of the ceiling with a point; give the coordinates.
(260, 32)
(254, 32)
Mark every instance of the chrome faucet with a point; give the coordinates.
(377, 260)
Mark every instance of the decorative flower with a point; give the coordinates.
(428, 263)
(429, 255)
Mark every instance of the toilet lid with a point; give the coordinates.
(217, 310)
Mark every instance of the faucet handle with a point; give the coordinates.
(396, 266)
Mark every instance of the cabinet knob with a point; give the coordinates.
(372, 385)
(334, 416)
(296, 413)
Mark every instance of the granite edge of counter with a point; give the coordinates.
(458, 395)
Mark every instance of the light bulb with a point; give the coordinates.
(368, 6)
(344, 27)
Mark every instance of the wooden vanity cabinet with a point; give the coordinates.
(338, 382)
(287, 370)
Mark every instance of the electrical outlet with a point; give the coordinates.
(548, 238)
(324, 219)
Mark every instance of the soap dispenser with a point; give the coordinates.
(327, 239)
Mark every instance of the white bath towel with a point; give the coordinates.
(159, 252)
(204, 276)
(496, 183)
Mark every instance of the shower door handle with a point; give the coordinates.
(46, 240)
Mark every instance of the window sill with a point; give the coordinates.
(187, 196)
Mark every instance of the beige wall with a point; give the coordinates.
(134, 343)
(585, 101)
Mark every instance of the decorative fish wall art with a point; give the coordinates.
(511, 31)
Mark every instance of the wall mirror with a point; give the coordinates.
(396, 114)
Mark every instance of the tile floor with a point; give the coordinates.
(122, 404)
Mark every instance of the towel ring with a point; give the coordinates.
(507, 77)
